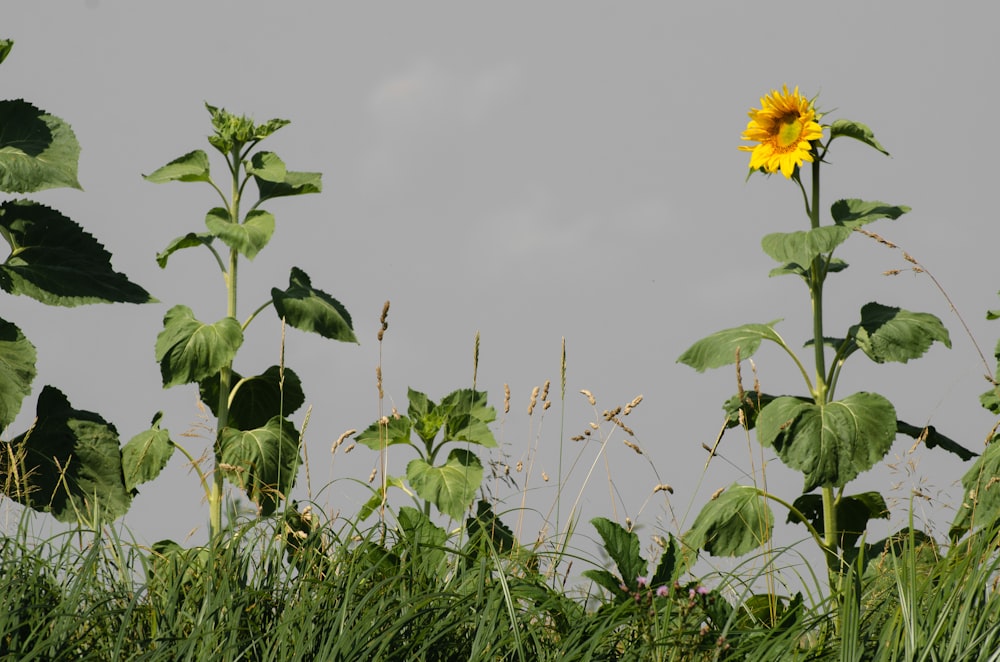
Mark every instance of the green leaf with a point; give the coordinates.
(487, 526)
(55, 261)
(190, 351)
(467, 418)
(623, 548)
(377, 497)
(247, 238)
(38, 151)
(425, 541)
(309, 309)
(17, 371)
(190, 240)
(832, 265)
(257, 399)
(192, 167)
(606, 580)
(856, 130)
(452, 486)
(69, 464)
(931, 438)
(719, 349)
(146, 454)
(5, 47)
(831, 443)
(853, 213)
(980, 508)
(294, 183)
(751, 405)
(852, 514)
(389, 432)
(427, 418)
(263, 462)
(734, 523)
(802, 247)
(232, 132)
(886, 333)
(267, 166)
(669, 567)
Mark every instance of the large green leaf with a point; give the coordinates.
(146, 454)
(258, 398)
(247, 238)
(733, 523)
(886, 333)
(425, 541)
(37, 151)
(856, 130)
(17, 371)
(267, 166)
(55, 261)
(801, 247)
(719, 349)
(394, 431)
(68, 464)
(831, 443)
(294, 183)
(622, 546)
(981, 505)
(309, 309)
(486, 528)
(192, 167)
(189, 240)
(853, 213)
(263, 462)
(852, 513)
(190, 351)
(467, 416)
(452, 486)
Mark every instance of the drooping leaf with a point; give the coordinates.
(17, 371)
(262, 462)
(309, 309)
(192, 167)
(189, 240)
(719, 349)
(487, 526)
(853, 213)
(734, 523)
(886, 333)
(55, 261)
(388, 432)
(267, 166)
(622, 546)
(190, 351)
(856, 130)
(146, 454)
(451, 487)
(294, 183)
(249, 237)
(831, 443)
(38, 151)
(803, 246)
(232, 131)
(68, 464)
(258, 399)
(931, 438)
(981, 504)
(852, 514)
(830, 264)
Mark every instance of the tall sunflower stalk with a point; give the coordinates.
(830, 441)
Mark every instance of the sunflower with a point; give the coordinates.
(782, 129)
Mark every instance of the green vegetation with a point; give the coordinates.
(448, 578)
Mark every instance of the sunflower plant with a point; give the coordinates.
(829, 439)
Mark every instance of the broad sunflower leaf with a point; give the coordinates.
(38, 151)
(190, 351)
(852, 513)
(623, 548)
(856, 130)
(267, 166)
(886, 333)
(146, 454)
(452, 486)
(263, 462)
(803, 246)
(258, 399)
(853, 213)
(17, 371)
(425, 541)
(467, 416)
(294, 183)
(55, 261)
(831, 443)
(68, 464)
(192, 167)
(309, 309)
(981, 506)
(247, 238)
(486, 525)
(734, 523)
(394, 431)
(719, 349)
(190, 240)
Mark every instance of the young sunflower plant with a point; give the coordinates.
(828, 438)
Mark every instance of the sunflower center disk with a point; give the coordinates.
(789, 131)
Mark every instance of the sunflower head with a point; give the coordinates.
(783, 128)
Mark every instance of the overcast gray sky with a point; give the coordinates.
(532, 171)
